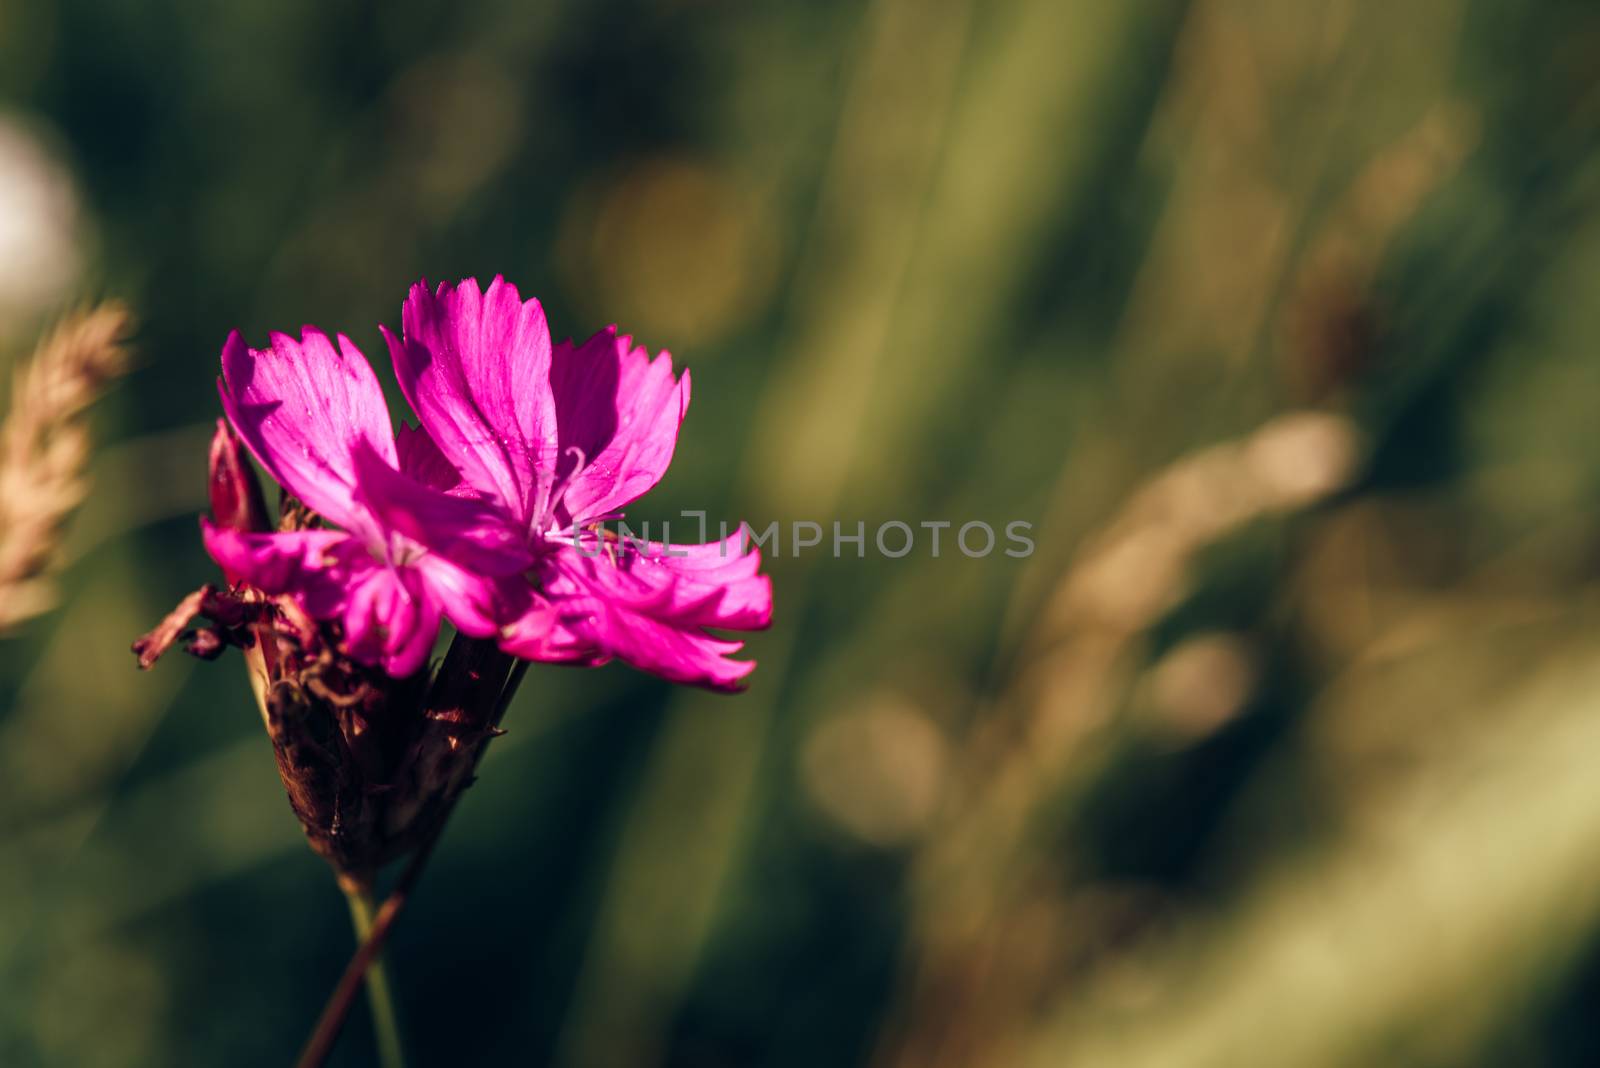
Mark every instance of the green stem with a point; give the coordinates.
(385, 1022)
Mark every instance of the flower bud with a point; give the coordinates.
(236, 500)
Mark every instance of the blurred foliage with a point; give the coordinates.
(1275, 320)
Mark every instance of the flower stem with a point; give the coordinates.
(385, 1022)
(365, 965)
(372, 929)
(518, 670)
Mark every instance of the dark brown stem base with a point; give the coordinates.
(342, 1000)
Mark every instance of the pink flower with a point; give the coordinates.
(407, 554)
(559, 438)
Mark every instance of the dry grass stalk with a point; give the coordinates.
(44, 450)
(996, 925)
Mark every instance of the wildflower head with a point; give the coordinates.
(486, 515)
(335, 625)
(561, 437)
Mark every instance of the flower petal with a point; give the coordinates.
(621, 410)
(421, 459)
(471, 533)
(391, 614)
(317, 567)
(301, 407)
(656, 628)
(538, 631)
(476, 368)
(474, 603)
(711, 585)
(391, 619)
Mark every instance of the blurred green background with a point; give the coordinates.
(1277, 320)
